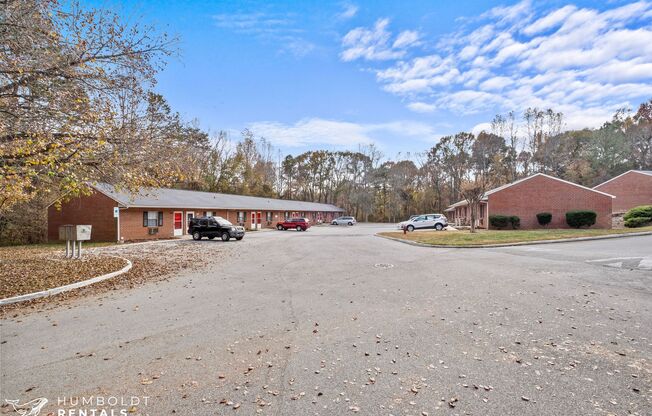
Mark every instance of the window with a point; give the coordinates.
(209, 213)
(287, 215)
(242, 216)
(152, 218)
(268, 216)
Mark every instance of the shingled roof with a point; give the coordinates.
(179, 198)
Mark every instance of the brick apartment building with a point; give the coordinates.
(631, 189)
(534, 194)
(162, 213)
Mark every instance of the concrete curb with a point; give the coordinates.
(60, 289)
(524, 243)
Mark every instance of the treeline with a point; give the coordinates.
(462, 166)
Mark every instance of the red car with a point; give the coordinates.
(299, 224)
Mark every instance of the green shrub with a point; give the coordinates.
(577, 219)
(544, 218)
(503, 221)
(635, 222)
(644, 211)
(498, 221)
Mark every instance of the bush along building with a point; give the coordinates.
(538, 201)
(153, 213)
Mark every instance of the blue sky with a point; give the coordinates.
(308, 75)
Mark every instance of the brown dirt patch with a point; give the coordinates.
(25, 271)
(151, 263)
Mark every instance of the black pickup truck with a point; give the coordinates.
(212, 227)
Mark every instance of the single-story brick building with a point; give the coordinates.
(529, 196)
(162, 213)
(631, 189)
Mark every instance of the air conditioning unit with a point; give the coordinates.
(152, 231)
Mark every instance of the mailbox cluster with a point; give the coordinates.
(74, 234)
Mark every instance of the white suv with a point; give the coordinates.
(344, 221)
(436, 221)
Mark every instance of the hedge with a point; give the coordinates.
(498, 221)
(502, 221)
(544, 218)
(644, 211)
(577, 219)
(638, 222)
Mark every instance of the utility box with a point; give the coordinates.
(82, 232)
(65, 232)
(75, 232)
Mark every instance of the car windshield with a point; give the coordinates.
(223, 222)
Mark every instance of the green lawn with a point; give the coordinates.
(465, 238)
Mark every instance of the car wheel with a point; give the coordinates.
(226, 236)
(196, 235)
(279, 227)
(298, 228)
(334, 223)
(439, 227)
(350, 223)
(410, 228)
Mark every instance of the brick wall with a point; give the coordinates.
(131, 224)
(542, 194)
(96, 210)
(631, 190)
(131, 220)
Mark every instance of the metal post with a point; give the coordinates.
(67, 248)
(79, 253)
(74, 246)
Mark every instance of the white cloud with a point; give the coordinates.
(350, 10)
(550, 20)
(344, 134)
(405, 39)
(479, 128)
(581, 61)
(421, 107)
(495, 83)
(374, 44)
(281, 30)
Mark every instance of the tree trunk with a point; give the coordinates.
(472, 206)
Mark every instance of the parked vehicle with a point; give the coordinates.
(402, 224)
(436, 221)
(212, 227)
(344, 221)
(299, 224)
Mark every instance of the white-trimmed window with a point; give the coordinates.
(242, 216)
(268, 216)
(152, 218)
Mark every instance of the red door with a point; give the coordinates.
(178, 223)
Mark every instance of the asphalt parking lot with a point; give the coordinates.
(337, 321)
